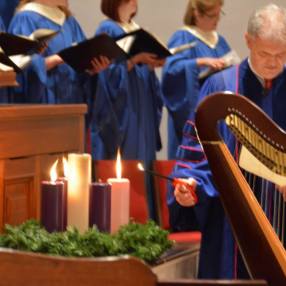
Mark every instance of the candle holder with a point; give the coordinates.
(100, 206)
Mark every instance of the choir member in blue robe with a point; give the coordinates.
(180, 78)
(266, 40)
(128, 103)
(48, 79)
(7, 8)
(4, 97)
(128, 100)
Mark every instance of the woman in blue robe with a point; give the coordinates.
(218, 256)
(180, 78)
(4, 92)
(128, 100)
(47, 79)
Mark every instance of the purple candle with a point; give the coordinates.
(100, 206)
(52, 206)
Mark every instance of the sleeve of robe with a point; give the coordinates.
(193, 163)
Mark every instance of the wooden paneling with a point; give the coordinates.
(39, 130)
(32, 137)
(18, 200)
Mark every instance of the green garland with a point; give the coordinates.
(145, 241)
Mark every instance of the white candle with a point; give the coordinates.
(120, 198)
(79, 179)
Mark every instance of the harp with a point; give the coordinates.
(263, 253)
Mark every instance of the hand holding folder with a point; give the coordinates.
(81, 55)
(142, 41)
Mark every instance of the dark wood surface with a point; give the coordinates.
(23, 268)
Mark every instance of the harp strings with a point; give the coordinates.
(274, 157)
(271, 202)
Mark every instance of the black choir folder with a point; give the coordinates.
(140, 41)
(79, 56)
(16, 50)
(17, 44)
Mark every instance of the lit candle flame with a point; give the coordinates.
(140, 167)
(118, 165)
(53, 172)
(66, 167)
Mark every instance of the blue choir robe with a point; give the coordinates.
(60, 84)
(4, 92)
(180, 81)
(7, 8)
(218, 257)
(127, 109)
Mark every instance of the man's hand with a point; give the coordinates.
(185, 192)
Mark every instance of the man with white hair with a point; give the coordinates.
(261, 78)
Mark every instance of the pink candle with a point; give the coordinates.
(120, 197)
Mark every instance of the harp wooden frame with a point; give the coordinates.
(262, 250)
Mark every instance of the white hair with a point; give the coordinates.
(268, 22)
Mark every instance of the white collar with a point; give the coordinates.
(52, 13)
(129, 27)
(209, 38)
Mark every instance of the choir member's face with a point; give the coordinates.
(128, 7)
(267, 56)
(208, 21)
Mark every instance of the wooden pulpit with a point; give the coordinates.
(32, 137)
(8, 78)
